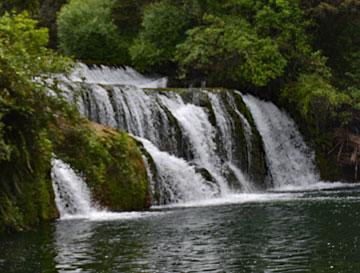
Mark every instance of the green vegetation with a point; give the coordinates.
(236, 43)
(229, 51)
(32, 129)
(26, 112)
(113, 165)
(304, 55)
(99, 31)
(32, 6)
(86, 31)
(163, 27)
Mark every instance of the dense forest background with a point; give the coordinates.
(304, 55)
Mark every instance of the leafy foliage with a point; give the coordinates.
(31, 6)
(87, 32)
(27, 111)
(164, 26)
(32, 128)
(336, 32)
(230, 51)
(127, 16)
(320, 104)
(252, 42)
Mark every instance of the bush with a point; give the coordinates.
(27, 113)
(320, 104)
(228, 50)
(163, 27)
(87, 32)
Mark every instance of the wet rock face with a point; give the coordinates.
(211, 129)
(347, 152)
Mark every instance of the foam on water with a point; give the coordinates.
(177, 177)
(101, 216)
(318, 186)
(112, 76)
(73, 198)
(236, 199)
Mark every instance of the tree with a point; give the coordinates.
(163, 27)
(127, 16)
(27, 112)
(336, 32)
(229, 50)
(31, 6)
(87, 32)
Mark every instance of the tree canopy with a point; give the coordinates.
(87, 32)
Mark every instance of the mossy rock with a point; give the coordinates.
(26, 194)
(111, 163)
(257, 166)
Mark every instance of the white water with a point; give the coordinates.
(184, 140)
(178, 179)
(113, 76)
(140, 113)
(242, 178)
(290, 161)
(197, 127)
(226, 127)
(73, 197)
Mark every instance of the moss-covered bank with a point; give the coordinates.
(26, 195)
(111, 163)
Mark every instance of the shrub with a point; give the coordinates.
(163, 27)
(87, 32)
(228, 50)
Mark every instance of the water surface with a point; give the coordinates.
(275, 232)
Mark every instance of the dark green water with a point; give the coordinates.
(311, 232)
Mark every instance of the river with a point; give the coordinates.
(314, 231)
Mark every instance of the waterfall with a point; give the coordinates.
(226, 128)
(179, 181)
(72, 196)
(180, 130)
(112, 76)
(197, 128)
(290, 160)
(199, 143)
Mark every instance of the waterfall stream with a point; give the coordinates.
(290, 160)
(202, 143)
(72, 195)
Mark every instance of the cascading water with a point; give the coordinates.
(178, 180)
(72, 195)
(181, 129)
(201, 143)
(226, 127)
(112, 76)
(290, 161)
(73, 198)
(197, 128)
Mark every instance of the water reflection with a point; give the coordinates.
(73, 245)
(308, 235)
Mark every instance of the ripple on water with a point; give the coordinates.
(311, 232)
